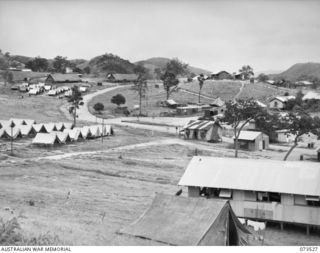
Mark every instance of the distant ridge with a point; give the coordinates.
(309, 69)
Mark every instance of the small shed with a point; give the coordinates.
(203, 130)
(122, 78)
(253, 140)
(280, 102)
(171, 103)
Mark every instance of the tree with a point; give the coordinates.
(157, 73)
(201, 82)
(75, 100)
(247, 71)
(173, 68)
(87, 70)
(141, 88)
(263, 77)
(7, 77)
(140, 70)
(239, 113)
(269, 123)
(98, 107)
(118, 99)
(38, 64)
(170, 82)
(300, 124)
(60, 63)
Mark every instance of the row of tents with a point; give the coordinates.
(15, 128)
(50, 133)
(70, 135)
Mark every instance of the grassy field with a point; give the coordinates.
(86, 198)
(226, 90)
(149, 103)
(260, 91)
(41, 108)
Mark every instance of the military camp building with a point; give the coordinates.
(259, 189)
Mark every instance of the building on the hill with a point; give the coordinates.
(122, 78)
(280, 102)
(27, 76)
(253, 140)
(62, 78)
(303, 83)
(259, 189)
(311, 95)
(270, 82)
(238, 76)
(222, 75)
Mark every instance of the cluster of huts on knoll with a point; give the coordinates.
(51, 133)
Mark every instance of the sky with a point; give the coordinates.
(214, 35)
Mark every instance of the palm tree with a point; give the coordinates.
(201, 80)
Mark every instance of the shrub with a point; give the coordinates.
(98, 107)
(118, 99)
(10, 235)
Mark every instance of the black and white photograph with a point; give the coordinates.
(159, 123)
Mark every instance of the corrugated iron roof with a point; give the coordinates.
(283, 98)
(293, 177)
(65, 77)
(248, 135)
(120, 77)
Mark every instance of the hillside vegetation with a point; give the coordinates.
(103, 64)
(299, 70)
(160, 62)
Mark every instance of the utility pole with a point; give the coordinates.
(102, 131)
(11, 126)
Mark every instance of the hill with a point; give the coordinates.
(160, 62)
(103, 64)
(310, 69)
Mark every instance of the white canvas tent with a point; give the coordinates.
(109, 130)
(17, 122)
(105, 130)
(50, 127)
(63, 137)
(67, 125)
(59, 126)
(29, 121)
(45, 139)
(13, 133)
(39, 128)
(4, 123)
(74, 134)
(27, 130)
(85, 132)
(95, 131)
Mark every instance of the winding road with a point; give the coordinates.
(84, 115)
